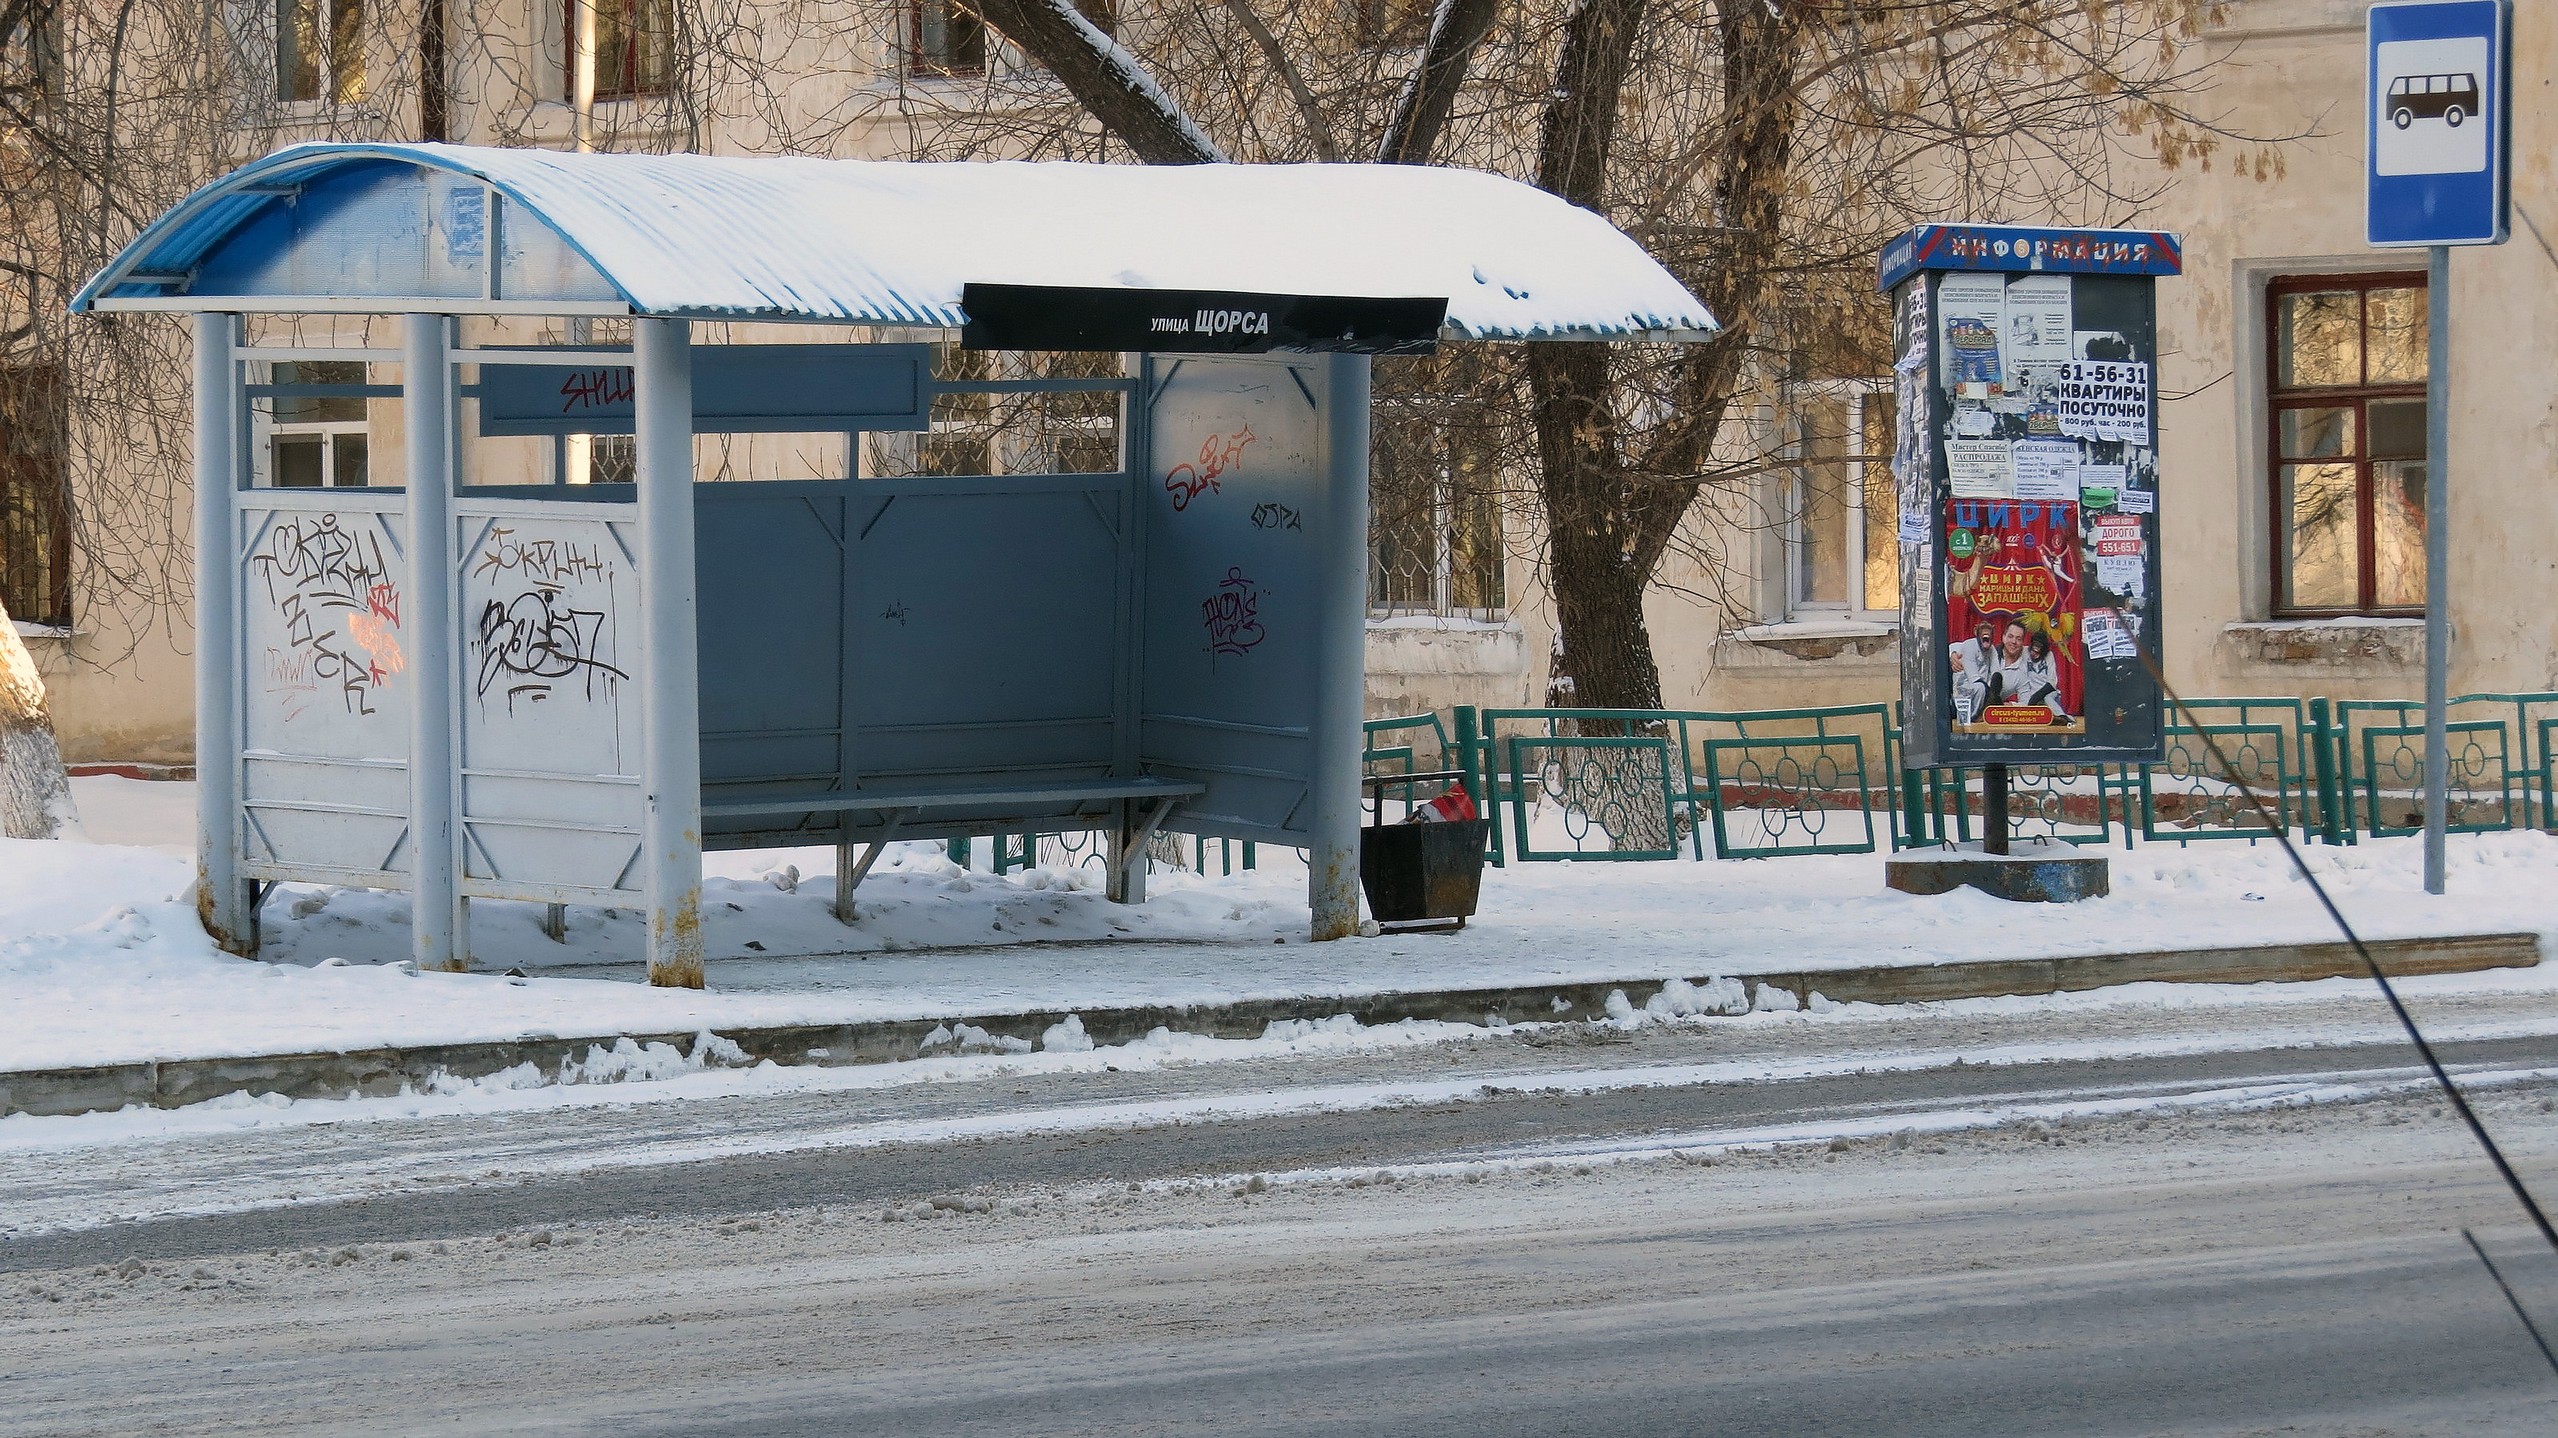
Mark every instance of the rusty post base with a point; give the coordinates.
(2031, 872)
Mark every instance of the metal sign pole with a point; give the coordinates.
(2437, 561)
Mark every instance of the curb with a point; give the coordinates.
(382, 1072)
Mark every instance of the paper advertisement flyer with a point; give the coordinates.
(1971, 309)
(2037, 320)
(2104, 399)
(1980, 469)
(2012, 595)
(2046, 469)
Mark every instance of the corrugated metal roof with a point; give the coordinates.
(893, 243)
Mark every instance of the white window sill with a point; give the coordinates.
(57, 632)
(2338, 621)
(1840, 628)
(1840, 643)
(1447, 623)
(2350, 641)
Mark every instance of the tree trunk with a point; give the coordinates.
(1104, 78)
(35, 795)
(1598, 587)
(1606, 650)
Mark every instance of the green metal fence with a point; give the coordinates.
(1620, 784)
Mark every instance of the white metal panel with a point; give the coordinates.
(550, 706)
(324, 727)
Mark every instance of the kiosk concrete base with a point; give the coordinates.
(2034, 871)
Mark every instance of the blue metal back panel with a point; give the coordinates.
(968, 629)
(1234, 511)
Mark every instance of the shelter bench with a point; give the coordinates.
(1036, 799)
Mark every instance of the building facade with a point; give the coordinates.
(2292, 415)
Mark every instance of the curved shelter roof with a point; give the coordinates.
(391, 228)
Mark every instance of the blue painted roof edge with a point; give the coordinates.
(313, 156)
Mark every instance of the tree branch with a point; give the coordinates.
(1105, 79)
(1421, 114)
(1310, 114)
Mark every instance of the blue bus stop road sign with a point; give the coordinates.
(2435, 120)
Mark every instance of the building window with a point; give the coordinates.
(319, 50)
(634, 48)
(1434, 521)
(35, 527)
(319, 439)
(944, 37)
(1843, 559)
(2347, 443)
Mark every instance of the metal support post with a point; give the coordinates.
(221, 898)
(671, 830)
(1994, 809)
(2437, 562)
(1340, 698)
(437, 936)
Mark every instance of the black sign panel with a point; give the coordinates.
(1040, 317)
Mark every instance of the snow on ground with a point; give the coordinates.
(103, 961)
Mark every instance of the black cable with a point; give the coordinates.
(2281, 833)
(2519, 1312)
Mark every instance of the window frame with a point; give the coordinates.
(922, 67)
(47, 498)
(268, 429)
(2280, 400)
(336, 84)
(639, 88)
(1444, 524)
(1861, 395)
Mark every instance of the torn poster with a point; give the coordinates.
(2109, 635)
(2100, 485)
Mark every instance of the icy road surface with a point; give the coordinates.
(2132, 1219)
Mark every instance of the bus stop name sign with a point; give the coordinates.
(2436, 120)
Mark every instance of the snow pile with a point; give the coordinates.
(104, 963)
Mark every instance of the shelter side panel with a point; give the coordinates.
(324, 723)
(770, 579)
(550, 601)
(1235, 514)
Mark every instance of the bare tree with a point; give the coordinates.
(1763, 152)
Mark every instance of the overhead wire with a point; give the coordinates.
(2280, 831)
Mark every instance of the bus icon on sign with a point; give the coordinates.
(2429, 100)
(2448, 98)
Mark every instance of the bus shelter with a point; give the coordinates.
(564, 693)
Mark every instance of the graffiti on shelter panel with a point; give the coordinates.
(340, 606)
(545, 634)
(1219, 454)
(1233, 615)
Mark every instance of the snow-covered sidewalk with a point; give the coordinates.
(104, 964)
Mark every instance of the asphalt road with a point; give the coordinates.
(1513, 1115)
(2212, 1266)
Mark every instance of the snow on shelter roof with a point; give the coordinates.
(379, 228)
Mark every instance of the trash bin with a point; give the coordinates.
(1417, 873)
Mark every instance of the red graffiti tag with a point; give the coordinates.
(1218, 454)
(595, 389)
